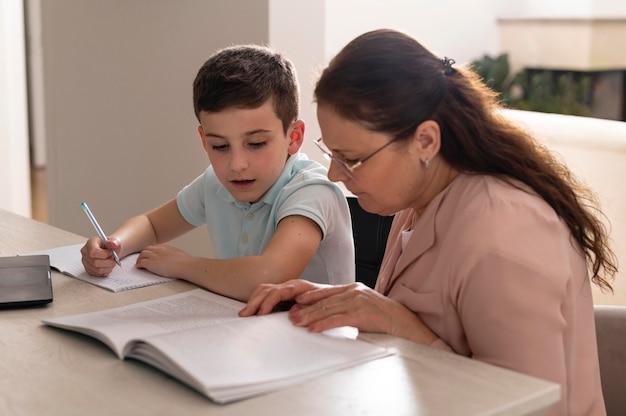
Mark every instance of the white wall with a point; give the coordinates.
(608, 8)
(297, 29)
(459, 29)
(575, 9)
(595, 150)
(14, 155)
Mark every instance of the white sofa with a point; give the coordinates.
(594, 149)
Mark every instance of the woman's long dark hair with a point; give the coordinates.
(388, 82)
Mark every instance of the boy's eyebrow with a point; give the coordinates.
(257, 131)
(248, 133)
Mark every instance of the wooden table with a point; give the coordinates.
(44, 371)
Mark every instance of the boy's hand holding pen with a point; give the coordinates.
(101, 233)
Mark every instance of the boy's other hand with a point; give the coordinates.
(166, 261)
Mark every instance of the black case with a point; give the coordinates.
(25, 281)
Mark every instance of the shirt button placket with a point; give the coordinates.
(244, 236)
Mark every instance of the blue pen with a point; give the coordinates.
(101, 233)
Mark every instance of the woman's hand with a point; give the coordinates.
(266, 296)
(321, 307)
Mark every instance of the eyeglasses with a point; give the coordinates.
(350, 167)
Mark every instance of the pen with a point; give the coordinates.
(101, 233)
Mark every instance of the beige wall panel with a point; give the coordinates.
(120, 126)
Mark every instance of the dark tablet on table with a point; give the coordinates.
(25, 281)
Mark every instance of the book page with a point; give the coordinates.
(198, 338)
(67, 260)
(116, 327)
(249, 356)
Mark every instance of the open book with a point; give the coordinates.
(197, 338)
(67, 260)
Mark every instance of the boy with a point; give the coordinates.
(271, 213)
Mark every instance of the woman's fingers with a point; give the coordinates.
(265, 297)
(323, 292)
(350, 305)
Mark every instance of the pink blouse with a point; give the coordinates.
(492, 270)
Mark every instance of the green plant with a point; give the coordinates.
(495, 73)
(551, 92)
(544, 91)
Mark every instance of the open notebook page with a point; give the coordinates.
(67, 260)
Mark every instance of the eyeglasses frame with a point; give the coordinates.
(349, 168)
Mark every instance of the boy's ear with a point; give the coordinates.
(202, 138)
(296, 136)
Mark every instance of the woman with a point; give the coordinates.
(493, 239)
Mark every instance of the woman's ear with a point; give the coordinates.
(296, 136)
(428, 139)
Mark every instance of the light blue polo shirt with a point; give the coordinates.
(239, 229)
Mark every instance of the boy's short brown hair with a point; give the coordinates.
(247, 76)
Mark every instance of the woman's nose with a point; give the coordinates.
(337, 172)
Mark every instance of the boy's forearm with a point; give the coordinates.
(234, 278)
(135, 234)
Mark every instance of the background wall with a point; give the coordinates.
(563, 9)
(119, 119)
(297, 29)
(459, 29)
(14, 152)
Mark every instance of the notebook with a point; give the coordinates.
(25, 281)
(67, 260)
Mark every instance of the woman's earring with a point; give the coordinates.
(426, 163)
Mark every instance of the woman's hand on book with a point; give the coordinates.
(321, 307)
(266, 297)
